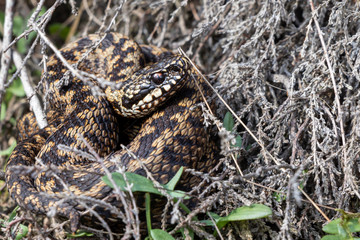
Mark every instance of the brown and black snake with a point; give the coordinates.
(142, 87)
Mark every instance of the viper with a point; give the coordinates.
(142, 96)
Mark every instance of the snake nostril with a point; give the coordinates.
(158, 78)
(175, 68)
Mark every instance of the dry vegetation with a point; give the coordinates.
(288, 69)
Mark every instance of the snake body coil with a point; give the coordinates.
(143, 82)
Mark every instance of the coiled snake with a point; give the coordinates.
(143, 82)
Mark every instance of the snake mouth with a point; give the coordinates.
(153, 86)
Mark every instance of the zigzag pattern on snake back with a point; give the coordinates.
(143, 82)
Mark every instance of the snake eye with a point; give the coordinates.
(158, 78)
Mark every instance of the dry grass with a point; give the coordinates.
(298, 95)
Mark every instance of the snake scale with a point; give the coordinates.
(146, 88)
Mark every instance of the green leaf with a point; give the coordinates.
(228, 121)
(333, 226)
(59, 29)
(80, 233)
(23, 43)
(148, 212)
(22, 232)
(190, 233)
(18, 25)
(238, 141)
(12, 121)
(337, 237)
(342, 227)
(279, 196)
(42, 11)
(17, 88)
(172, 183)
(158, 234)
(9, 150)
(12, 69)
(2, 18)
(178, 194)
(254, 211)
(3, 111)
(140, 184)
(353, 225)
(18, 28)
(215, 216)
(332, 237)
(209, 222)
(21, 46)
(13, 214)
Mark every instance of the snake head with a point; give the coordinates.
(151, 86)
